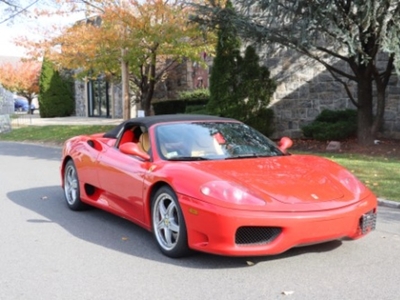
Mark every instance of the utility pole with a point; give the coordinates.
(125, 86)
(125, 73)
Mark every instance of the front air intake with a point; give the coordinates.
(252, 235)
(367, 222)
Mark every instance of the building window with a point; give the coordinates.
(98, 100)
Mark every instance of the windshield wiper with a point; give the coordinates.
(187, 158)
(247, 155)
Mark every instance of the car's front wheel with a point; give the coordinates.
(71, 187)
(169, 226)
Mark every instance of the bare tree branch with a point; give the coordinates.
(18, 12)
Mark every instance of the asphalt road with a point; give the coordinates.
(50, 252)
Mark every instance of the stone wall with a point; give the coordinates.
(116, 105)
(6, 102)
(80, 99)
(305, 88)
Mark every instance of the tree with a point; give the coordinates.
(21, 78)
(146, 39)
(55, 97)
(239, 87)
(13, 8)
(354, 32)
(222, 81)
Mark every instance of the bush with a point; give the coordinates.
(333, 116)
(262, 121)
(196, 101)
(197, 109)
(195, 95)
(56, 93)
(332, 125)
(169, 107)
(189, 102)
(240, 86)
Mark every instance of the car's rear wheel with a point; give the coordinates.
(71, 187)
(169, 226)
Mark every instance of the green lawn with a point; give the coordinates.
(381, 175)
(54, 134)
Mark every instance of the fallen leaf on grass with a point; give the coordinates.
(287, 293)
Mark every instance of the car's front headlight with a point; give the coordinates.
(349, 181)
(230, 192)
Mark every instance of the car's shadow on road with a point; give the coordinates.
(35, 151)
(106, 230)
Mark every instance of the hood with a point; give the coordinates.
(287, 179)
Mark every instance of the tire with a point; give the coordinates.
(168, 224)
(71, 187)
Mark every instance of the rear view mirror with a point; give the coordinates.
(133, 149)
(284, 144)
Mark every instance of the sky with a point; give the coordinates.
(24, 26)
(7, 47)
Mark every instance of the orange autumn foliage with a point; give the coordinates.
(21, 78)
(149, 37)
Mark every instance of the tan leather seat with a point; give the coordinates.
(144, 142)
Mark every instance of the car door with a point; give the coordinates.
(86, 161)
(121, 177)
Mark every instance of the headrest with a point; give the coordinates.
(144, 141)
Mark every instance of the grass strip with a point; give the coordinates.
(52, 134)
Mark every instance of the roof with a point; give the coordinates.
(152, 120)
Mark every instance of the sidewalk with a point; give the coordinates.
(35, 120)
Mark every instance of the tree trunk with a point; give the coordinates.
(381, 82)
(112, 100)
(148, 96)
(30, 110)
(380, 109)
(125, 87)
(364, 111)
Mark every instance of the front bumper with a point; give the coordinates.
(232, 232)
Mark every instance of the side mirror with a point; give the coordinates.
(284, 144)
(133, 149)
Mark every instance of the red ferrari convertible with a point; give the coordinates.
(215, 185)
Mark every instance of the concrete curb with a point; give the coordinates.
(388, 203)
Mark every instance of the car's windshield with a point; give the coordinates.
(212, 140)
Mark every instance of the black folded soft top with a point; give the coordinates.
(151, 120)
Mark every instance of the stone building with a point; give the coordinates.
(100, 98)
(305, 88)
